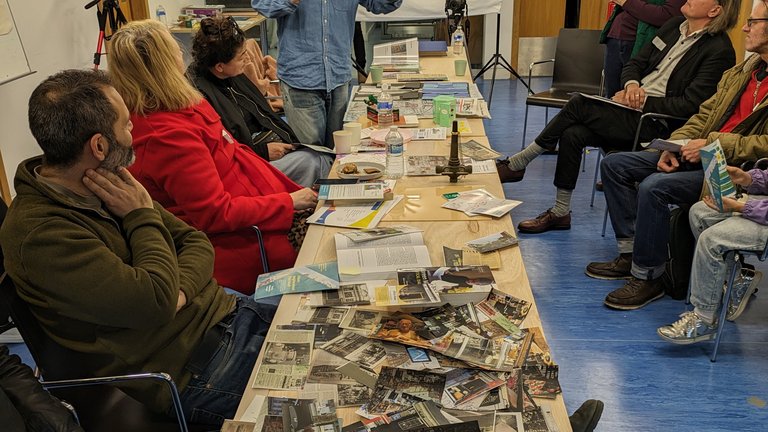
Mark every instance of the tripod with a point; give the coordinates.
(498, 60)
(109, 9)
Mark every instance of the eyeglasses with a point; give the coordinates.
(751, 21)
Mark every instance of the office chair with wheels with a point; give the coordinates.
(578, 66)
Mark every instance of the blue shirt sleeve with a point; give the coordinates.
(274, 8)
(380, 6)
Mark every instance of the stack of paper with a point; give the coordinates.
(402, 55)
(481, 202)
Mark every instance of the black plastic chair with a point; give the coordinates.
(578, 67)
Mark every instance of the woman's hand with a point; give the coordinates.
(304, 199)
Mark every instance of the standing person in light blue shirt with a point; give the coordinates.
(314, 61)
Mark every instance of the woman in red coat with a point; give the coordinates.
(191, 165)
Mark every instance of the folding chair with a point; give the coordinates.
(732, 257)
(578, 67)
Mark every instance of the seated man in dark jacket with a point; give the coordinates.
(219, 59)
(673, 75)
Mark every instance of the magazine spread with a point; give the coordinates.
(313, 277)
(381, 258)
(455, 285)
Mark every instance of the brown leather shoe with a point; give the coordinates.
(545, 222)
(619, 268)
(635, 294)
(599, 186)
(506, 174)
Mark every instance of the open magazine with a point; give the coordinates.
(716, 175)
(379, 259)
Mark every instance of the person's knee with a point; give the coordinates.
(709, 243)
(611, 165)
(697, 213)
(652, 186)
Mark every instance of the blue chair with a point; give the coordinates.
(735, 258)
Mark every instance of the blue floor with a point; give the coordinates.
(646, 384)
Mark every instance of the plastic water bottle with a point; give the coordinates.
(384, 108)
(394, 142)
(458, 41)
(161, 15)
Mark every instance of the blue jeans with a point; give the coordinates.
(315, 114)
(304, 165)
(717, 234)
(640, 214)
(617, 54)
(215, 390)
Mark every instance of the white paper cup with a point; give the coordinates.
(342, 141)
(354, 128)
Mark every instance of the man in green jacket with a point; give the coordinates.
(108, 272)
(640, 186)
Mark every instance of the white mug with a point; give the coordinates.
(342, 140)
(355, 128)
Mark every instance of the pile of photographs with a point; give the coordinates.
(447, 368)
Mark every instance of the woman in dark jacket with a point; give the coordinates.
(219, 59)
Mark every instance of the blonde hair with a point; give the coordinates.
(727, 18)
(143, 65)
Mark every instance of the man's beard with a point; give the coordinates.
(119, 155)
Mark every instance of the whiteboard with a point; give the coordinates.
(429, 9)
(14, 62)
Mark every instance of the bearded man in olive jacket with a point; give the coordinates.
(109, 273)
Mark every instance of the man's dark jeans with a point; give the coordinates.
(214, 393)
(640, 214)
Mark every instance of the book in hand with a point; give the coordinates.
(379, 259)
(317, 148)
(493, 242)
(313, 277)
(716, 175)
(673, 146)
(455, 285)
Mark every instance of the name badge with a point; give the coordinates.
(658, 43)
(227, 136)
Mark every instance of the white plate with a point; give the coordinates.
(362, 175)
(379, 135)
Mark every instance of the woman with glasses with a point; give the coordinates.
(217, 70)
(194, 167)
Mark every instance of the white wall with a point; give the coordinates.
(55, 36)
